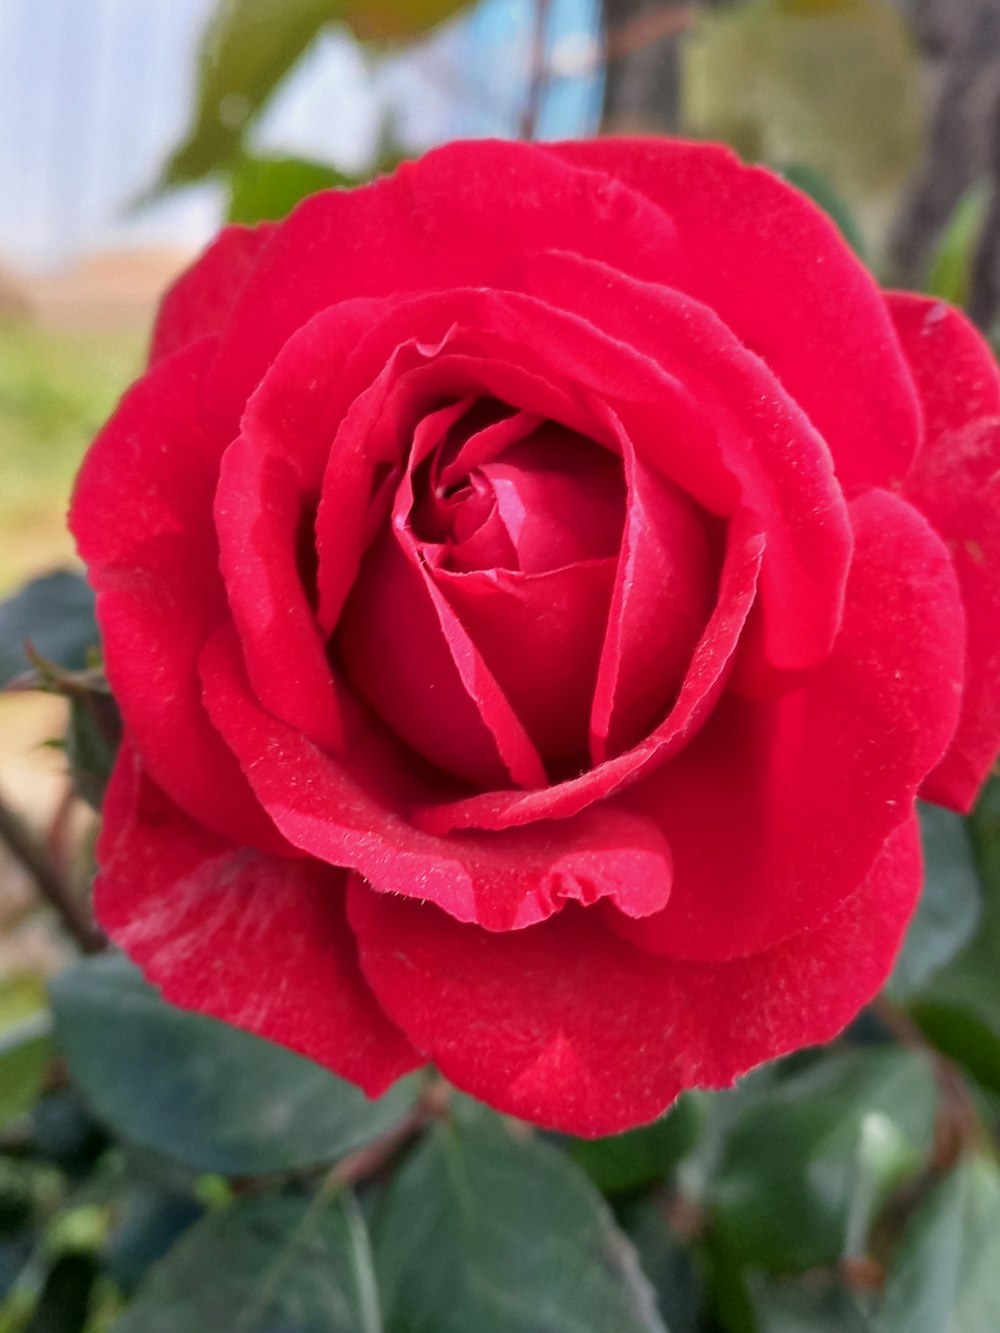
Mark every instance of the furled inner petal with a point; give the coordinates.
(492, 591)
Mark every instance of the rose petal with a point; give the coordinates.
(706, 676)
(540, 635)
(259, 941)
(955, 482)
(409, 655)
(347, 813)
(776, 270)
(141, 515)
(665, 588)
(201, 300)
(781, 466)
(454, 216)
(573, 1029)
(779, 807)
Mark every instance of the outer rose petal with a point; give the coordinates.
(201, 300)
(455, 217)
(777, 271)
(956, 483)
(778, 808)
(142, 518)
(573, 1029)
(259, 941)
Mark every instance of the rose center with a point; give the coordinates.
(504, 490)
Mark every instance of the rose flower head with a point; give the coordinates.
(537, 586)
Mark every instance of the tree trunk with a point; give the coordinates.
(642, 88)
(960, 41)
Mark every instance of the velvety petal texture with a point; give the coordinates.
(536, 586)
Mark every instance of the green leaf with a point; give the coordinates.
(667, 1263)
(950, 903)
(946, 1277)
(273, 1264)
(93, 732)
(267, 188)
(819, 1306)
(485, 1231)
(56, 613)
(249, 47)
(25, 1045)
(804, 1167)
(959, 1008)
(834, 85)
(950, 272)
(209, 1095)
(628, 1161)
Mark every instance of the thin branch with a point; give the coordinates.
(47, 879)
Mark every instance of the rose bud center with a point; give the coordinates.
(495, 615)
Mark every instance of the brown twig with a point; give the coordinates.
(960, 1126)
(49, 882)
(537, 78)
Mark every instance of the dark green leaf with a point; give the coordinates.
(666, 1262)
(959, 1008)
(805, 1166)
(150, 1220)
(950, 903)
(64, 1304)
(209, 1095)
(274, 1264)
(627, 1161)
(946, 1277)
(485, 1231)
(817, 1305)
(56, 613)
(92, 736)
(266, 188)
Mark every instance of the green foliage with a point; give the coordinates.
(833, 85)
(950, 905)
(266, 188)
(959, 1007)
(829, 1143)
(25, 1046)
(211, 1096)
(950, 271)
(249, 47)
(947, 1276)
(487, 1231)
(278, 1262)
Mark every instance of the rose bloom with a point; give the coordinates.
(537, 586)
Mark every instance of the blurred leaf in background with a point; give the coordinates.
(249, 47)
(831, 85)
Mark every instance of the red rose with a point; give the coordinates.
(537, 586)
